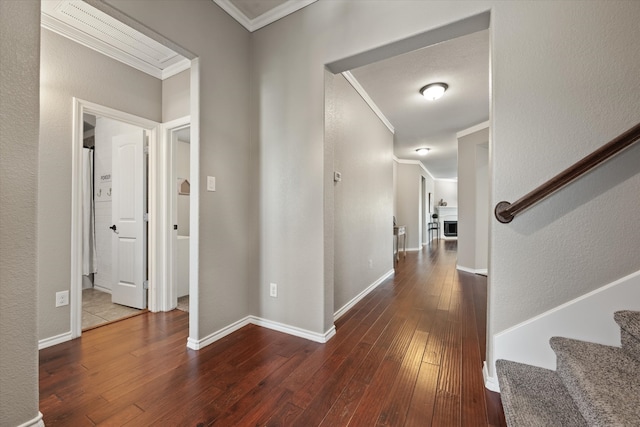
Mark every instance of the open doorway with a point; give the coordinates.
(116, 269)
(114, 231)
(179, 138)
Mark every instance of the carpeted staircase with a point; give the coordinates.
(594, 384)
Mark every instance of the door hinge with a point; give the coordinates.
(145, 284)
(146, 217)
(146, 149)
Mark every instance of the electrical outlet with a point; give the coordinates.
(273, 290)
(62, 298)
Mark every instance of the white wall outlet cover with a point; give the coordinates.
(211, 183)
(337, 176)
(62, 298)
(273, 290)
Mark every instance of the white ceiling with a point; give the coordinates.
(255, 14)
(394, 85)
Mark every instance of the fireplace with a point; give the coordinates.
(448, 217)
(450, 228)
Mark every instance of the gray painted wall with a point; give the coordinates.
(69, 69)
(19, 47)
(550, 108)
(176, 97)
(408, 200)
(473, 200)
(564, 81)
(447, 191)
(363, 153)
(228, 228)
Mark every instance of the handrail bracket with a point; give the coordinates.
(502, 213)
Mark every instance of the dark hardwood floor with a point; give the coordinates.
(409, 354)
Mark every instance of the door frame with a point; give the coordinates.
(154, 250)
(168, 299)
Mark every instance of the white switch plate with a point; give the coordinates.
(211, 183)
(273, 290)
(62, 298)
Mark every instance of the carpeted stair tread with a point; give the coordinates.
(629, 322)
(603, 381)
(535, 397)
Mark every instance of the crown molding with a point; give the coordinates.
(416, 162)
(265, 19)
(473, 129)
(55, 25)
(363, 93)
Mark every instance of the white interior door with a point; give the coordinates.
(129, 240)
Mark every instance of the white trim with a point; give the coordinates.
(447, 179)
(472, 129)
(362, 294)
(55, 340)
(194, 201)
(266, 18)
(264, 323)
(365, 96)
(35, 422)
(166, 295)
(588, 318)
(482, 271)
(196, 344)
(293, 330)
(416, 162)
(490, 382)
(52, 24)
(174, 69)
(81, 107)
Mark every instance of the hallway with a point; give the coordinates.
(409, 354)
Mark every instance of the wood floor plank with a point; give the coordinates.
(408, 354)
(424, 396)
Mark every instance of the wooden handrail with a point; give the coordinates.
(505, 211)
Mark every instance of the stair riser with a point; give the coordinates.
(630, 344)
(568, 376)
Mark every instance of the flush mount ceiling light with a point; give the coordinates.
(434, 91)
(422, 151)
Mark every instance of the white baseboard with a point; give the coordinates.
(482, 271)
(293, 330)
(35, 422)
(588, 318)
(51, 341)
(195, 344)
(490, 382)
(362, 294)
(258, 321)
(102, 289)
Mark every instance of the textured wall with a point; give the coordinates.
(473, 200)
(564, 81)
(363, 152)
(19, 66)
(408, 188)
(69, 70)
(175, 96)
(228, 218)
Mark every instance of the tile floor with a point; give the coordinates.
(97, 309)
(183, 303)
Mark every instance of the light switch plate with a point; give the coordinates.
(211, 183)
